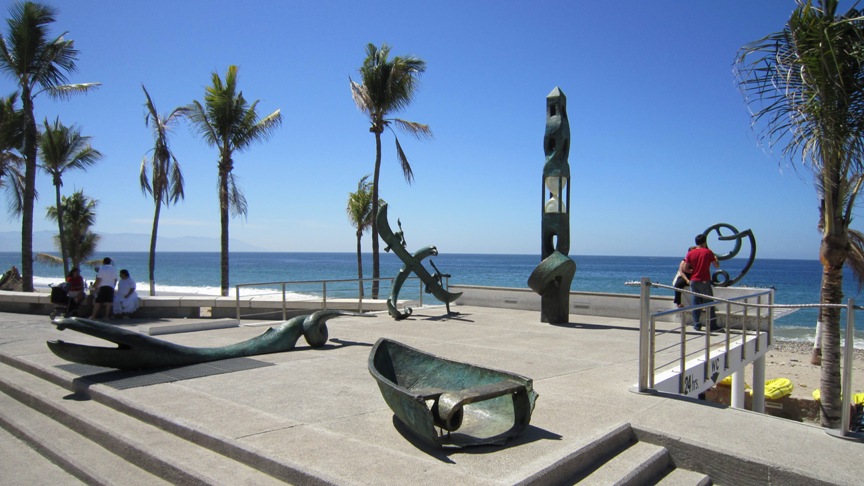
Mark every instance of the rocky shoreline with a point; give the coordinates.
(799, 347)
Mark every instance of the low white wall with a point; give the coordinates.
(190, 306)
(581, 303)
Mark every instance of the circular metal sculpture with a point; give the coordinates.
(721, 278)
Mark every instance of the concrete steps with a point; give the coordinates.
(640, 463)
(618, 458)
(82, 440)
(20, 464)
(99, 445)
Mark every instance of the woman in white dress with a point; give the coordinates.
(125, 299)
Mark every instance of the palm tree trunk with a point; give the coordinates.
(376, 263)
(360, 262)
(223, 220)
(64, 252)
(152, 264)
(30, 134)
(831, 292)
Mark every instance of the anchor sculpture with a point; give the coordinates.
(136, 351)
(412, 264)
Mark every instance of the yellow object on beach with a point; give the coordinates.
(774, 389)
(728, 382)
(778, 388)
(857, 399)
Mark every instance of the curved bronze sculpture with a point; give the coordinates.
(721, 278)
(552, 277)
(136, 351)
(470, 405)
(412, 264)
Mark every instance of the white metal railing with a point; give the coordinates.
(322, 291)
(648, 340)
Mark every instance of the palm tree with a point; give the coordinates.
(11, 143)
(359, 211)
(388, 87)
(38, 64)
(805, 85)
(79, 215)
(167, 179)
(228, 122)
(64, 148)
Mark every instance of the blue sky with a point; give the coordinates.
(661, 144)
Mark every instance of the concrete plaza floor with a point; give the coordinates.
(319, 412)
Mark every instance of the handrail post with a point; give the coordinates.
(237, 303)
(324, 294)
(846, 388)
(653, 351)
(706, 363)
(682, 357)
(421, 291)
(758, 320)
(771, 317)
(744, 327)
(644, 333)
(284, 308)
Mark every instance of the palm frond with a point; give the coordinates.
(360, 96)
(855, 257)
(418, 130)
(254, 130)
(403, 161)
(66, 91)
(48, 259)
(176, 183)
(236, 199)
(15, 194)
(201, 124)
(143, 179)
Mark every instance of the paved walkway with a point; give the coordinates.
(320, 411)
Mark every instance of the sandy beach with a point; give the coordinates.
(791, 359)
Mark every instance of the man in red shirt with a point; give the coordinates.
(700, 260)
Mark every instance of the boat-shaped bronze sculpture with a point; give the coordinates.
(449, 403)
(136, 351)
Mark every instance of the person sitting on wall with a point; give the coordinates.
(74, 290)
(125, 299)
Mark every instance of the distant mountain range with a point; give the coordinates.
(10, 241)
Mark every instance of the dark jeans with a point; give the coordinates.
(707, 289)
(680, 283)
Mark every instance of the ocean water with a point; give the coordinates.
(794, 281)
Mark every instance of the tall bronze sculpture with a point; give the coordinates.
(412, 264)
(552, 277)
(136, 351)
